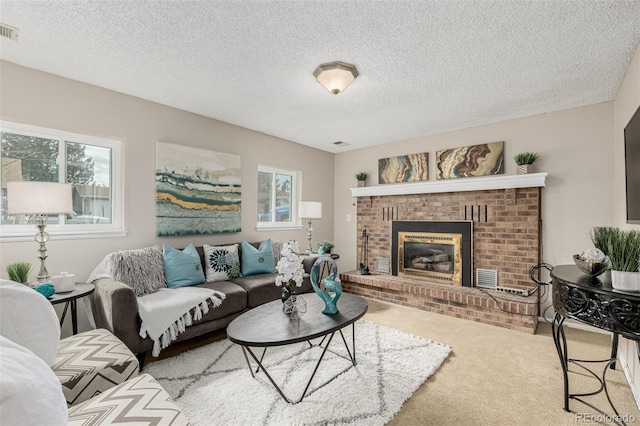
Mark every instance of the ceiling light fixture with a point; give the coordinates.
(336, 76)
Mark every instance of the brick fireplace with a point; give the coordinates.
(506, 238)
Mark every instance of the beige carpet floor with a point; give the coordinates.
(494, 376)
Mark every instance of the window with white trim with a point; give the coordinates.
(277, 198)
(91, 165)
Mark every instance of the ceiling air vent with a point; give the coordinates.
(7, 31)
(340, 143)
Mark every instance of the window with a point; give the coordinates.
(91, 165)
(277, 198)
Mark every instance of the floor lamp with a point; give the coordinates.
(309, 210)
(39, 199)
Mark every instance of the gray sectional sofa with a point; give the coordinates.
(115, 307)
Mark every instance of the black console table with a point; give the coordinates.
(594, 302)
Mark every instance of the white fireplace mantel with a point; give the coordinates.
(454, 185)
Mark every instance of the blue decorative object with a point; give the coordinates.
(330, 300)
(46, 289)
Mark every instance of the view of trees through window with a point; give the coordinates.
(275, 196)
(86, 167)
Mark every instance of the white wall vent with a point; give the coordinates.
(382, 265)
(487, 278)
(7, 31)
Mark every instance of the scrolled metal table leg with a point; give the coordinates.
(560, 341)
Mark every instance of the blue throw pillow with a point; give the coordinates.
(182, 268)
(257, 260)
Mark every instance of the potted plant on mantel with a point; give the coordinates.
(362, 178)
(623, 249)
(525, 160)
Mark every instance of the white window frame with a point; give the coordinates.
(296, 194)
(62, 231)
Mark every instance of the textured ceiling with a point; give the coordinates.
(425, 67)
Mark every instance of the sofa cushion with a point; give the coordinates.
(257, 260)
(140, 400)
(92, 362)
(260, 288)
(236, 300)
(222, 262)
(182, 268)
(141, 269)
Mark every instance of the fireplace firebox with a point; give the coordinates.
(433, 251)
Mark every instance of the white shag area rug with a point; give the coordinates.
(213, 385)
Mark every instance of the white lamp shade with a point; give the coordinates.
(26, 197)
(310, 210)
(336, 76)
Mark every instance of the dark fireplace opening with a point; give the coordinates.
(433, 251)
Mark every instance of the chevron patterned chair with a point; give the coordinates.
(86, 364)
(91, 362)
(87, 379)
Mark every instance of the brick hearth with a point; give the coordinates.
(486, 306)
(506, 238)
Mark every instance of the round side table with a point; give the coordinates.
(70, 298)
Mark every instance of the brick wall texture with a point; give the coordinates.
(506, 238)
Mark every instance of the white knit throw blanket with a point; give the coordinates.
(167, 312)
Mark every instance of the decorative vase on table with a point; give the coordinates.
(288, 290)
(290, 276)
(330, 300)
(295, 306)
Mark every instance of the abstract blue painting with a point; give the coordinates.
(197, 191)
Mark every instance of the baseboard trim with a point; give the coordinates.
(577, 325)
(627, 373)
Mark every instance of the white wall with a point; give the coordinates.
(575, 148)
(32, 97)
(625, 105)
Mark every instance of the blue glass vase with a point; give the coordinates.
(330, 300)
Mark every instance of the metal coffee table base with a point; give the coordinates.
(352, 358)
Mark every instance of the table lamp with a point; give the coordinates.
(39, 199)
(310, 210)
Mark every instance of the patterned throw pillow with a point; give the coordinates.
(141, 269)
(277, 248)
(222, 262)
(258, 260)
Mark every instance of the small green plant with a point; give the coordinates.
(19, 271)
(622, 247)
(361, 176)
(326, 246)
(526, 158)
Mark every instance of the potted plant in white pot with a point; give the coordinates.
(19, 272)
(623, 249)
(525, 161)
(362, 178)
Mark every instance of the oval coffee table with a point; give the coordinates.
(267, 325)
